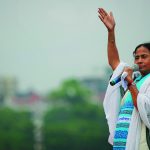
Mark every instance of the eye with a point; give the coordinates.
(144, 56)
(136, 57)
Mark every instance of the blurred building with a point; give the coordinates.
(20, 101)
(97, 86)
(8, 88)
(26, 98)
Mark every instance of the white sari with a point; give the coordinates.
(111, 105)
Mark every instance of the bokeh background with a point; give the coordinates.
(54, 70)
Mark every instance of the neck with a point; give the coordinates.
(145, 73)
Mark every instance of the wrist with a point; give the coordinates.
(111, 36)
(110, 31)
(131, 83)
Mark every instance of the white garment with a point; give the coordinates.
(143, 143)
(111, 105)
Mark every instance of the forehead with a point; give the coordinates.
(142, 50)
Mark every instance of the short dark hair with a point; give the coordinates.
(146, 45)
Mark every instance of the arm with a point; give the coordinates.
(109, 22)
(132, 87)
(134, 92)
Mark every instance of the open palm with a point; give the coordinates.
(107, 19)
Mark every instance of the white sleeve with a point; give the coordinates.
(143, 103)
(111, 102)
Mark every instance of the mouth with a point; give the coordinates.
(141, 66)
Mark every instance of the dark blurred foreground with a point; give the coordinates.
(71, 120)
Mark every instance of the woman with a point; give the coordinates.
(128, 118)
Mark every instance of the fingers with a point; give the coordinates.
(111, 14)
(100, 18)
(102, 13)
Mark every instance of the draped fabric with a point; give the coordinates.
(112, 103)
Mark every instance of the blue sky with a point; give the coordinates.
(43, 42)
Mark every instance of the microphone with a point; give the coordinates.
(135, 67)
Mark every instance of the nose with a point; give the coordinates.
(139, 61)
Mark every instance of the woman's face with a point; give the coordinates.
(142, 59)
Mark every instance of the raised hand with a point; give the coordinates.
(107, 19)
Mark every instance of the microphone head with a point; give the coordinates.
(135, 67)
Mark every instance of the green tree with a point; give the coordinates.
(77, 126)
(70, 92)
(16, 130)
